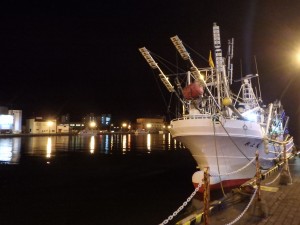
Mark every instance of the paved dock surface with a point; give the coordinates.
(279, 204)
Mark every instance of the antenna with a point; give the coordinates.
(257, 78)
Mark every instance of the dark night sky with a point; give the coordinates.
(82, 57)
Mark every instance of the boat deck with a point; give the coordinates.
(280, 203)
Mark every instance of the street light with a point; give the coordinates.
(298, 57)
(92, 124)
(49, 123)
(124, 126)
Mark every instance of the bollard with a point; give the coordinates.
(206, 196)
(259, 207)
(258, 176)
(285, 178)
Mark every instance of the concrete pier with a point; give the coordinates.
(279, 203)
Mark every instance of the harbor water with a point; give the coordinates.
(88, 180)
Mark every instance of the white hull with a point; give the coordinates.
(227, 150)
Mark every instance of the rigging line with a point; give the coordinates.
(169, 106)
(260, 97)
(234, 142)
(197, 53)
(159, 87)
(162, 60)
(218, 159)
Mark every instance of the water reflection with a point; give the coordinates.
(10, 150)
(149, 142)
(92, 144)
(49, 147)
(124, 143)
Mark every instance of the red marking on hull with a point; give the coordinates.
(227, 184)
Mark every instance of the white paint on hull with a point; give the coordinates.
(224, 150)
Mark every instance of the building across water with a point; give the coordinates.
(38, 125)
(150, 125)
(10, 121)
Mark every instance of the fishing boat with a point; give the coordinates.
(226, 132)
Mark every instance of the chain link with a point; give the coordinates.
(182, 206)
(271, 182)
(247, 207)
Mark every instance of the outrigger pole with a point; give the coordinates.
(165, 80)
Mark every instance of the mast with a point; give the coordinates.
(230, 56)
(222, 85)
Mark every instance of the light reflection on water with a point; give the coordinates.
(43, 146)
(10, 150)
(49, 147)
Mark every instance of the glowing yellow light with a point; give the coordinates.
(92, 124)
(92, 144)
(298, 57)
(49, 147)
(124, 125)
(201, 76)
(149, 142)
(50, 123)
(124, 142)
(148, 125)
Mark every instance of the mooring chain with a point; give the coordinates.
(182, 206)
(247, 207)
(190, 198)
(197, 189)
(271, 182)
(233, 172)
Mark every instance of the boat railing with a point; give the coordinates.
(193, 117)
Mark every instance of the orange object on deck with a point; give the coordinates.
(192, 91)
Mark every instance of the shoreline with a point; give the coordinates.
(32, 135)
(61, 134)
